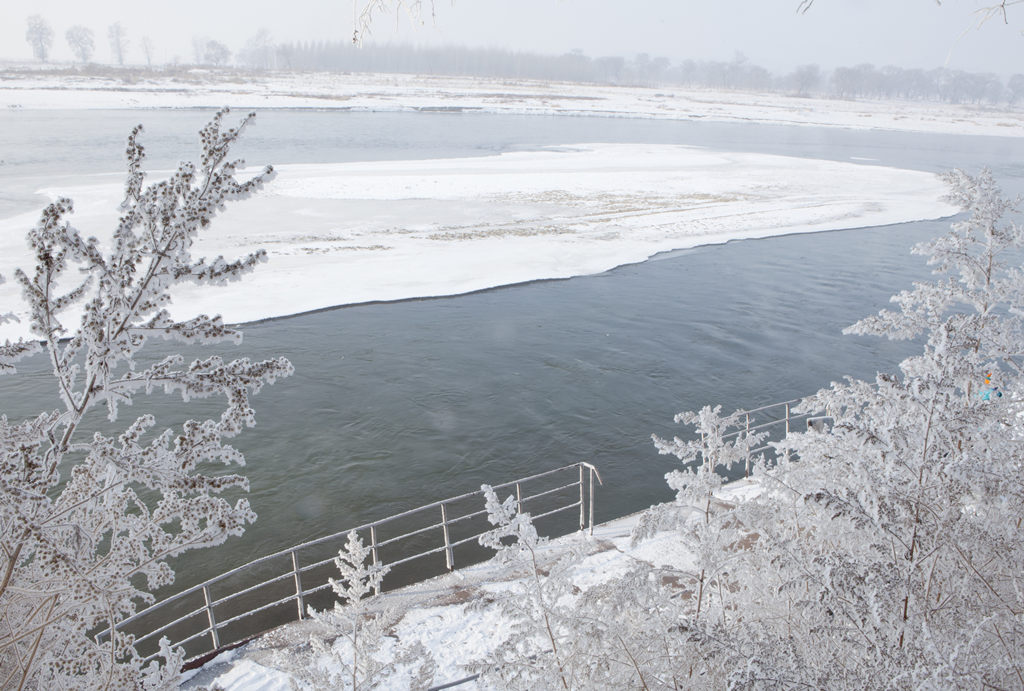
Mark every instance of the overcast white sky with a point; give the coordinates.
(909, 33)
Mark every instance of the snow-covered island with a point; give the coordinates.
(358, 232)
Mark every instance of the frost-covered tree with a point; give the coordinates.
(888, 551)
(534, 656)
(40, 36)
(705, 525)
(89, 521)
(80, 41)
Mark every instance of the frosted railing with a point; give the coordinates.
(220, 612)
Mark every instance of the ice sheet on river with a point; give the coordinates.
(355, 232)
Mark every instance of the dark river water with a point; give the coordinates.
(396, 405)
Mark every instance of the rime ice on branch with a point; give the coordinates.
(87, 524)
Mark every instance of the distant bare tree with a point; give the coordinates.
(284, 54)
(1015, 88)
(118, 42)
(147, 50)
(216, 53)
(40, 36)
(199, 49)
(805, 79)
(259, 51)
(80, 41)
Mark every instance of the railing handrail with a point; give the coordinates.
(334, 536)
(296, 571)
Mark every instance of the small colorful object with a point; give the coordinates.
(988, 391)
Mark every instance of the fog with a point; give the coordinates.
(910, 33)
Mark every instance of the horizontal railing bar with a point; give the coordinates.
(317, 589)
(449, 500)
(204, 632)
(467, 516)
(417, 556)
(464, 540)
(314, 565)
(434, 526)
(769, 406)
(773, 423)
(780, 421)
(163, 628)
(410, 557)
(547, 492)
(770, 423)
(243, 615)
(199, 586)
(521, 480)
(456, 543)
(410, 512)
(558, 510)
(251, 588)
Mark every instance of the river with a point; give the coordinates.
(399, 404)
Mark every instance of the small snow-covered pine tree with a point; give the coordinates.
(354, 641)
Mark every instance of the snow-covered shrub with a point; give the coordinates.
(888, 552)
(88, 523)
(704, 523)
(534, 655)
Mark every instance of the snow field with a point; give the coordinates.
(406, 92)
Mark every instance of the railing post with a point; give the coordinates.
(213, 620)
(582, 524)
(449, 558)
(519, 499)
(746, 469)
(786, 455)
(298, 584)
(373, 551)
(591, 499)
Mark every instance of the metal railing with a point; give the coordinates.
(776, 420)
(270, 591)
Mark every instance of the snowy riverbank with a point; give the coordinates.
(203, 88)
(349, 233)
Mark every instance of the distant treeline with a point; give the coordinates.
(862, 81)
